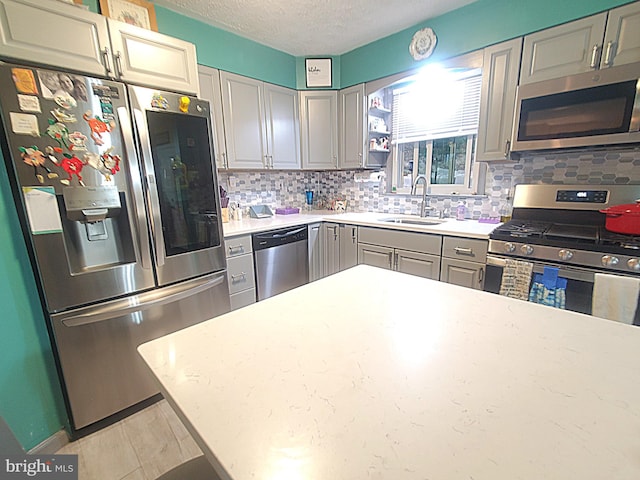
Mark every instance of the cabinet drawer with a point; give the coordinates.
(469, 249)
(238, 246)
(242, 299)
(240, 273)
(415, 242)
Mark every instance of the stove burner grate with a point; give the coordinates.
(520, 229)
(631, 242)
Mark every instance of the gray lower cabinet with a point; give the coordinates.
(340, 247)
(407, 252)
(331, 240)
(348, 240)
(240, 271)
(316, 251)
(463, 262)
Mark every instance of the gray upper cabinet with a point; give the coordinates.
(351, 125)
(563, 50)
(282, 127)
(497, 100)
(622, 37)
(319, 129)
(209, 80)
(151, 58)
(52, 33)
(65, 36)
(260, 124)
(243, 111)
(599, 41)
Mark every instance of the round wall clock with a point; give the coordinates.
(422, 44)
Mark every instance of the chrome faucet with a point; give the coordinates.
(423, 207)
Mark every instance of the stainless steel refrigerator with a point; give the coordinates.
(116, 189)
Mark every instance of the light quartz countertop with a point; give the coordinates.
(370, 373)
(450, 226)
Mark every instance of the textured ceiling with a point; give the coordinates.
(318, 27)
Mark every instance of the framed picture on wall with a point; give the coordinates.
(134, 12)
(318, 72)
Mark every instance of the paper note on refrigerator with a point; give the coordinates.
(42, 210)
(24, 124)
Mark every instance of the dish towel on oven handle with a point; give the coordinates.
(549, 289)
(516, 277)
(615, 297)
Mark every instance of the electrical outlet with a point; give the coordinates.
(232, 181)
(280, 185)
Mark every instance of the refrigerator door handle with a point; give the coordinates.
(140, 232)
(141, 302)
(152, 190)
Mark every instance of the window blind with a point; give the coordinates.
(423, 113)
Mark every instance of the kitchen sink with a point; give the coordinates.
(413, 221)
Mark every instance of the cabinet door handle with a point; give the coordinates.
(236, 249)
(594, 56)
(607, 54)
(241, 275)
(463, 251)
(391, 260)
(507, 148)
(118, 62)
(481, 276)
(224, 160)
(107, 63)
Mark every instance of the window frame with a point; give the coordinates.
(472, 60)
(467, 187)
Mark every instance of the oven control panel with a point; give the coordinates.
(582, 196)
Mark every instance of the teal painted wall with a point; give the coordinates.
(469, 28)
(226, 51)
(30, 396)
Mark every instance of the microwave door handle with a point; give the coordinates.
(139, 232)
(141, 302)
(152, 189)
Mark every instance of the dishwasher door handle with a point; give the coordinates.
(281, 235)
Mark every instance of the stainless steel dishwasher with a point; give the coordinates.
(281, 260)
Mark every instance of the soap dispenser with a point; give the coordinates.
(461, 210)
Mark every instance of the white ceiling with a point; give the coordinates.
(313, 27)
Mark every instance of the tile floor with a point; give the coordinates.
(140, 447)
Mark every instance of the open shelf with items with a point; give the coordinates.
(379, 127)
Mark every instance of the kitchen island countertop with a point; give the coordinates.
(449, 226)
(370, 373)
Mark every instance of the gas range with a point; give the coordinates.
(563, 224)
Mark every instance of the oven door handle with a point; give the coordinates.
(571, 273)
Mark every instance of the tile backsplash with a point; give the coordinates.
(366, 191)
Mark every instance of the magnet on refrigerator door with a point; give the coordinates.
(36, 158)
(24, 80)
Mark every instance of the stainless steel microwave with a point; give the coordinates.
(596, 108)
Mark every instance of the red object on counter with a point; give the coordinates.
(623, 218)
